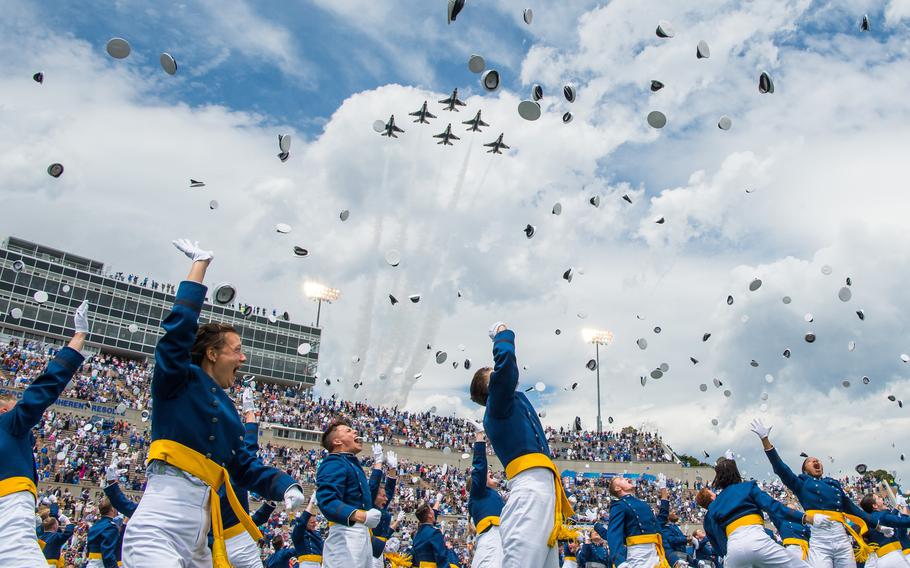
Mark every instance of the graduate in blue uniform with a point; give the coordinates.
(794, 536)
(484, 507)
(594, 554)
(18, 477)
(307, 539)
(830, 545)
(569, 555)
(885, 538)
(282, 556)
(704, 552)
(382, 495)
(197, 439)
(735, 524)
(343, 494)
(674, 541)
(633, 528)
(54, 538)
(103, 540)
(428, 547)
(532, 520)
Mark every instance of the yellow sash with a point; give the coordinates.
(58, 562)
(563, 507)
(15, 484)
(862, 550)
(743, 521)
(214, 476)
(94, 556)
(888, 548)
(398, 560)
(486, 523)
(42, 544)
(654, 539)
(569, 559)
(802, 544)
(233, 531)
(310, 558)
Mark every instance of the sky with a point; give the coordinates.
(810, 177)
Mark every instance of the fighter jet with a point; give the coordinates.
(496, 146)
(475, 123)
(447, 136)
(391, 129)
(423, 114)
(452, 103)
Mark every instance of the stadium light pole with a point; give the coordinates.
(320, 293)
(598, 337)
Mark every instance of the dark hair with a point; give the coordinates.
(725, 474)
(868, 503)
(104, 507)
(703, 498)
(326, 440)
(277, 542)
(423, 512)
(49, 522)
(209, 335)
(480, 386)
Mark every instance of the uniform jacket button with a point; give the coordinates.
(211, 438)
(214, 419)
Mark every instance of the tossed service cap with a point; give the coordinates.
(118, 48)
(224, 293)
(168, 63)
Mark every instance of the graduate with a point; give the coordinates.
(343, 494)
(484, 507)
(103, 540)
(18, 477)
(885, 538)
(794, 536)
(830, 544)
(594, 554)
(735, 525)
(428, 548)
(532, 520)
(633, 527)
(307, 539)
(54, 538)
(674, 541)
(382, 495)
(197, 440)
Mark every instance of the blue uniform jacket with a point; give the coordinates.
(120, 502)
(341, 488)
(454, 561)
(705, 551)
(672, 535)
(893, 519)
(103, 538)
(629, 516)
(789, 529)
(904, 537)
(190, 408)
(510, 420)
(429, 546)
(737, 501)
(824, 494)
(54, 541)
(282, 558)
(483, 502)
(16, 439)
(593, 553)
(381, 533)
(306, 541)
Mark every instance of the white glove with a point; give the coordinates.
(64, 520)
(293, 498)
(313, 499)
(192, 250)
(478, 426)
(493, 328)
(391, 459)
(111, 473)
(661, 481)
(887, 531)
(729, 453)
(80, 318)
(400, 516)
(760, 429)
(373, 518)
(377, 453)
(247, 403)
(822, 521)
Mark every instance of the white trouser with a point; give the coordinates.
(831, 547)
(894, 559)
(750, 545)
(347, 547)
(641, 556)
(569, 564)
(170, 527)
(95, 563)
(378, 562)
(595, 565)
(243, 552)
(795, 550)
(488, 549)
(310, 564)
(527, 521)
(18, 541)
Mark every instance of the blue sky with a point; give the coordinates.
(824, 155)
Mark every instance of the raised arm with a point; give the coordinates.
(888, 519)
(45, 390)
(504, 379)
(376, 472)
(663, 511)
(790, 479)
(172, 354)
(851, 508)
(479, 468)
(262, 514)
(120, 502)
